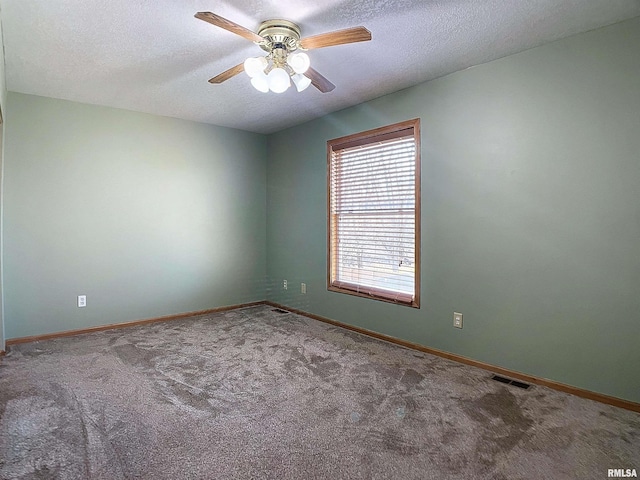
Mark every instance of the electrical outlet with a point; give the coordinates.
(303, 288)
(82, 300)
(457, 320)
(285, 285)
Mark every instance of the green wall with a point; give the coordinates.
(3, 102)
(530, 212)
(147, 216)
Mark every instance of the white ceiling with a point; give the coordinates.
(153, 56)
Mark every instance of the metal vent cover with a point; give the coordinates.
(509, 381)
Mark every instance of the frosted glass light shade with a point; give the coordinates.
(260, 82)
(278, 80)
(299, 62)
(301, 82)
(254, 66)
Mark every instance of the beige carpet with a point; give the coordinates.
(256, 394)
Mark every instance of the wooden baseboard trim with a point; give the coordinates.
(100, 328)
(579, 392)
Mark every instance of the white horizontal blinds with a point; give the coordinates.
(373, 216)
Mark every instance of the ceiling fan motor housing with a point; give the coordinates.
(279, 34)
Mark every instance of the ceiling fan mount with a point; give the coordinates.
(279, 38)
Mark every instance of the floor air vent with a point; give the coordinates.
(518, 384)
(279, 310)
(508, 381)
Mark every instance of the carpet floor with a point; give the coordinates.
(256, 394)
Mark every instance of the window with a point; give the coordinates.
(374, 214)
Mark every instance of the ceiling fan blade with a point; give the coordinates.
(339, 37)
(319, 81)
(221, 22)
(227, 74)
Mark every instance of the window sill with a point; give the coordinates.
(376, 294)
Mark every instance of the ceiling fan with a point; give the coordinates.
(285, 60)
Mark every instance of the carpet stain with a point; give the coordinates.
(411, 378)
(501, 422)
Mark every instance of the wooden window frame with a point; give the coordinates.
(369, 137)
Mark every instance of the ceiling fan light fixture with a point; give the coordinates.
(278, 79)
(260, 82)
(254, 66)
(301, 82)
(299, 62)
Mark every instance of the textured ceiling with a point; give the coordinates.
(155, 57)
